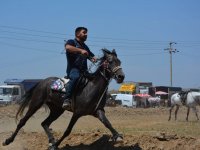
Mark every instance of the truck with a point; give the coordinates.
(126, 100)
(13, 90)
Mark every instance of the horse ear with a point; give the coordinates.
(114, 52)
(106, 51)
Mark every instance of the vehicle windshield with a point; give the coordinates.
(114, 96)
(5, 91)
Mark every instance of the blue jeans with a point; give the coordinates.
(73, 76)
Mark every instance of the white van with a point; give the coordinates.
(126, 99)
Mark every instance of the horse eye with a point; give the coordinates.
(110, 59)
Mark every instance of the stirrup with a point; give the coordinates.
(66, 104)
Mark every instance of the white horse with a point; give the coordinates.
(192, 99)
(154, 101)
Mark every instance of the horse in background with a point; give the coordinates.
(154, 101)
(89, 98)
(189, 99)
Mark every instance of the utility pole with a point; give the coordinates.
(171, 50)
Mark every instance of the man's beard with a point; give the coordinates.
(84, 38)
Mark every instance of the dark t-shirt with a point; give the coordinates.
(76, 60)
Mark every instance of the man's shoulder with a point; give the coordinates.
(70, 42)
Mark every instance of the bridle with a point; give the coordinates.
(105, 65)
(112, 71)
(115, 69)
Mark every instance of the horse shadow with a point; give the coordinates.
(102, 143)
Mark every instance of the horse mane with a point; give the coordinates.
(105, 51)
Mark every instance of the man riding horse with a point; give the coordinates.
(88, 100)
(77, 53)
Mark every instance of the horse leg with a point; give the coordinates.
(67, 132)
(32, 109)
(54, 114)
(101, 116)
(170, 112)
(176, 111)
(196, 112)
(188, 112)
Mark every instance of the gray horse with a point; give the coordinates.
(188, 99)
(89, 98)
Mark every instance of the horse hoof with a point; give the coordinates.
(52, 147)
(5, 143)
(117, 138)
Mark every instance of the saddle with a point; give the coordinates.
(59, 84)
(183, 96)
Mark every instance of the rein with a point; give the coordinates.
(108, 81)
(113, 71)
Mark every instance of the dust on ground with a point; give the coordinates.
(146, 129)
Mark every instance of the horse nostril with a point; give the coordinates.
(120, 77)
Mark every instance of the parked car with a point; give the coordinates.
(126, 100)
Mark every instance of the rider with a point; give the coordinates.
(77, 53)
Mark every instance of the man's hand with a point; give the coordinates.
(84, 52)
(94, 59)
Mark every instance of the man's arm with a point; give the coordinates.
(73, 49)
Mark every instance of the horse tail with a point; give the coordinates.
(25, 101)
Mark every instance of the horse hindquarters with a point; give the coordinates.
(32, 109)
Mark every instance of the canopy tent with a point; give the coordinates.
(161, 93)
(143, 95)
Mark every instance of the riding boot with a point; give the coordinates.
(67, 103)
(74, 75)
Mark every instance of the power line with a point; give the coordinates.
(144, 54)
(94, 45)
(127, 42)
(32, 30)
(97, 37)
(35, 35)
(28, 48)
(62, 52)
(49, 36)
(31, 40)
(113, 40)
(133, 45)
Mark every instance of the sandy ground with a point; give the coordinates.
(146, 129)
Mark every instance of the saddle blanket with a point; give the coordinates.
(59, 84)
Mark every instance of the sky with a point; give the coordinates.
(32, 35)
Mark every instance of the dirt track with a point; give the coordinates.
(146, 129)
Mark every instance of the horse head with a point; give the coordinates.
(112, 65)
